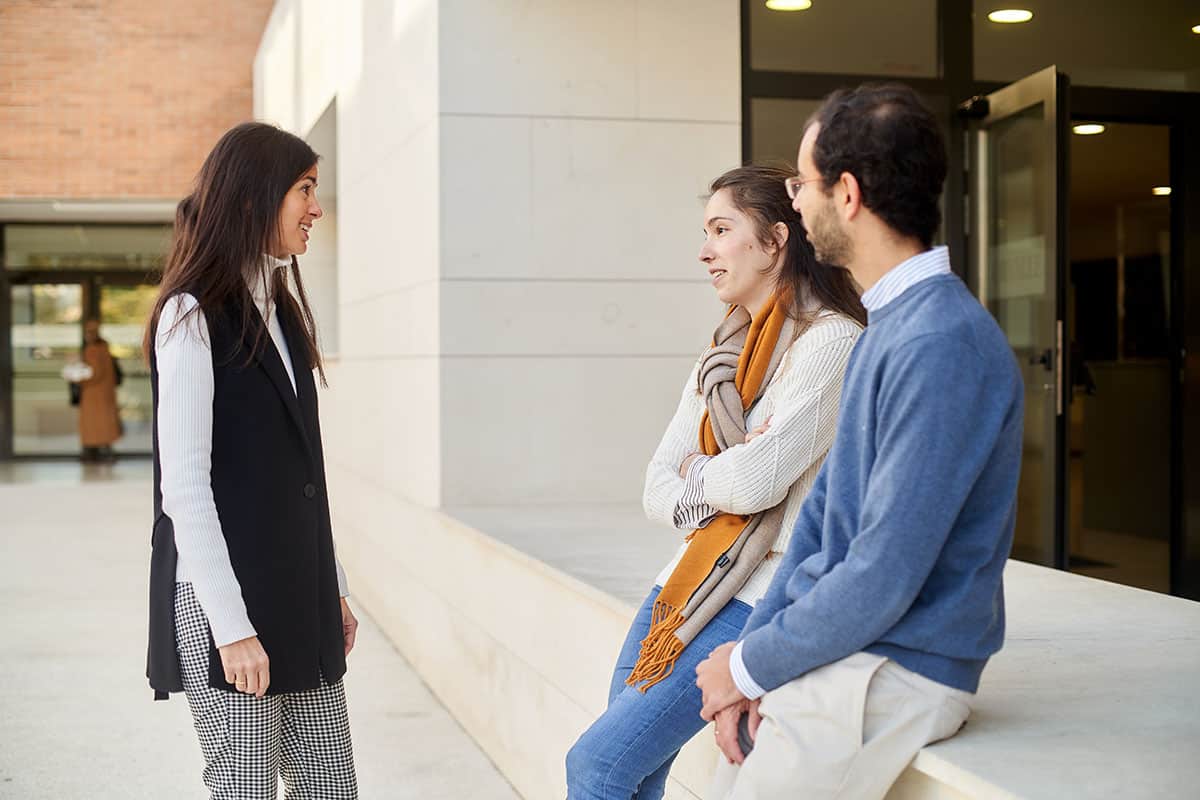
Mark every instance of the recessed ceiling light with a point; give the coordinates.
(1196, 29)
(1010, 16)
(1162, 191)
(1088, 129)
(789, 5)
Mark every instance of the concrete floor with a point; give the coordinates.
(76, 716)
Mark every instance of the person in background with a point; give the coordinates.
(99, 418)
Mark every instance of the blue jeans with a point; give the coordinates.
(627, 753)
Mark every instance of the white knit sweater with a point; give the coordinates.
(185, 418)
(802, 400)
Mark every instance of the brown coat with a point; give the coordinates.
(99, 425)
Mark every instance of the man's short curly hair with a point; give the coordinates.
(889, 140)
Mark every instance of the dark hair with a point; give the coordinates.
(758, 191)
(228, 224)
(886, 137)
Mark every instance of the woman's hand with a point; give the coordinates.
(349, 626)
(759, 431)
(246, 666)
(726, 728)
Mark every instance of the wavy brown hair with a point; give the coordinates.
(758, 192)
(227, 225)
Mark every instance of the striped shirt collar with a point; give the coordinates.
(902, 276)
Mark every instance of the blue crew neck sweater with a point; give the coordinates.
(899, 549)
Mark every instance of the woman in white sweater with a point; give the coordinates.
(756, 418)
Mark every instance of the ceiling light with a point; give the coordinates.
(1162, 191)
(1088, 129)
(1010, 15)
(1196, 29)
(789, 5)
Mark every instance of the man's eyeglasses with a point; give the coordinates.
(793, 185)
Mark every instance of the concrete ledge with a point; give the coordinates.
(1093, 695)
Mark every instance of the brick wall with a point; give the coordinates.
(120, 98)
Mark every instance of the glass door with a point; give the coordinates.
(1017, 252)
(47, 333)
(124, 310)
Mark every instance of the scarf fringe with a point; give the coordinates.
(660, 649)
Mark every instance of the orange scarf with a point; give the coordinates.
(706, 546)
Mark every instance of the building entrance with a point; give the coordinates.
(55, 278)
(1078, 247)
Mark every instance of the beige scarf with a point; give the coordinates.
(720, 556)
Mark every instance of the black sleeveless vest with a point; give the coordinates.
(268, 481)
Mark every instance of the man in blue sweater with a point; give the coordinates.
(871, 639)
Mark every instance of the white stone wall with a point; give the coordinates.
(577, 140)
(376, 63)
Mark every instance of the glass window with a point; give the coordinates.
(1143, 45)
(91, 247)
(847, 37)
(776, 125)
(47, 334)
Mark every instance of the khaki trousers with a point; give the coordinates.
(846, 730)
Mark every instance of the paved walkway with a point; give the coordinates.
(76, 716)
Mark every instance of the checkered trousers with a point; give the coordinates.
(248, 742)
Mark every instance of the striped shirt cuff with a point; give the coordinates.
(691, 512)
(741, 676)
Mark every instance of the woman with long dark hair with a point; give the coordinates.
(248, 611)
(755, 421)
